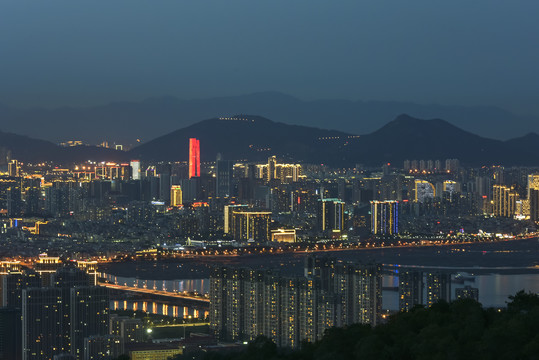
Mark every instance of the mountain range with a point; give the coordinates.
(255, 138)
(124, 122)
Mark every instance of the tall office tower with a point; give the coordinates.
(5, 184)
(66, 278)
(223, 178)
(438, 287)
(103, 347)
(534, 204)
(330, 215)
(164, 188)
(14, 169)
(504, 200)
(194, 157)
(10, 334)
(42, 319)
(135, 169)
(533, 196)
(250, 225)
(32, 196)
(12, 284)
(467, 292)
(57, 198)
(410, 289)
(89, 315)
(15, 206)
(385, 217)
(424, 191)
(176, 198)
(272, 165)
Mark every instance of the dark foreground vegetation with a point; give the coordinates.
(460, 330)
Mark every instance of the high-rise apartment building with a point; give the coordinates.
(194, 157)
(438, 287)
(410, 289)
(245, 303)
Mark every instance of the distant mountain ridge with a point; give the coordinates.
(31, 150)
(403, 138)
(127, 121)
(255, 138)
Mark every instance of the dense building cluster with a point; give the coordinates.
(105, 208)
(245, 303)
(56, 309)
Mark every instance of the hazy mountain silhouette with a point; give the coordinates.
(126, 121)
(403, 138)
(249, 137)
(255, 138)
(27, 149)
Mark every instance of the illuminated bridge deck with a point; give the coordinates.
(159, 293)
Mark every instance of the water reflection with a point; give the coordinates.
(160, 308)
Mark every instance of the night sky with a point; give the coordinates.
(482, 52)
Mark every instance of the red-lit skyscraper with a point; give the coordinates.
(194, 157)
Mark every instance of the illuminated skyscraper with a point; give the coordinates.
(424, 191)
(385, 217)
(251, 225)
(176, 195)
(135, 169)
(194, 157)
(272, 162)
(228, 211)
(14, 168)
(330, 215)
(504, 200)
(533, 196)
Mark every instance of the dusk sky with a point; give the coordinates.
(482, 52)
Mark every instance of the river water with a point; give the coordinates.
(497, 269)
